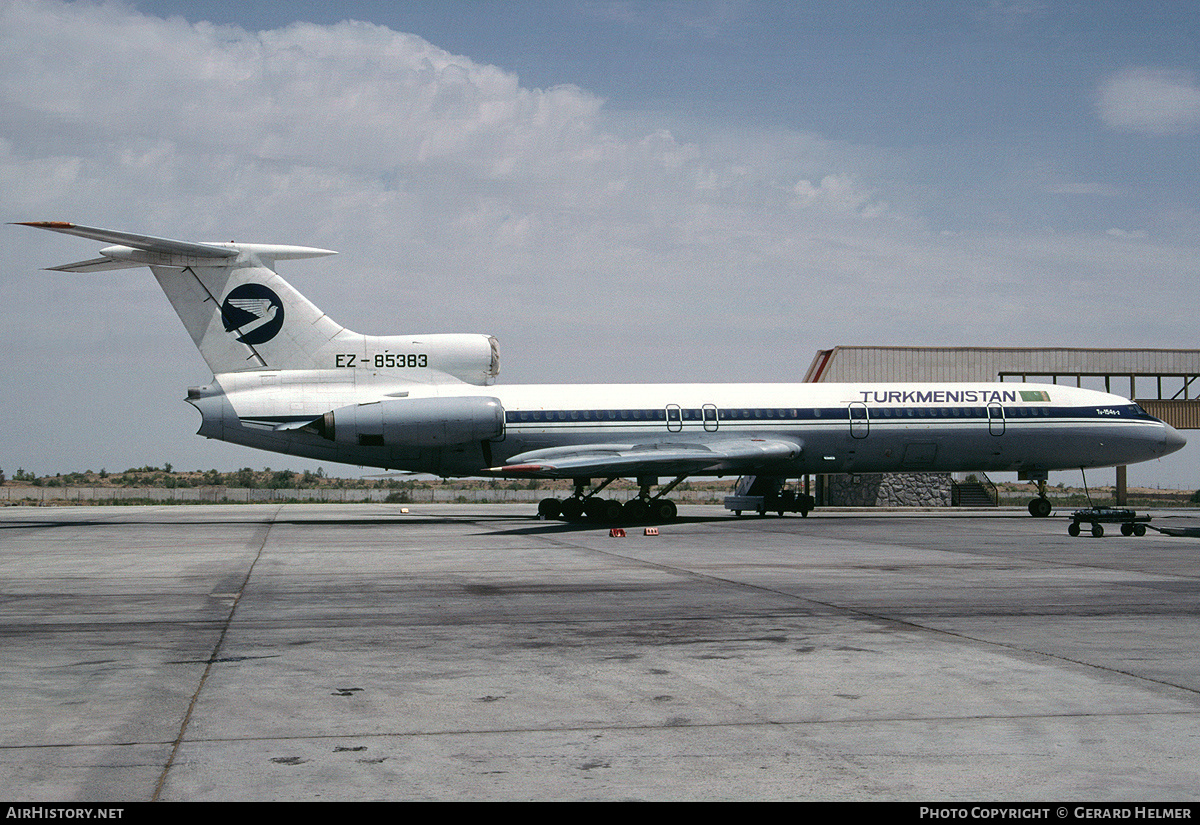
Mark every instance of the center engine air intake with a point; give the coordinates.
(415, 422)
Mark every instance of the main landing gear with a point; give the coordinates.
(584, 504)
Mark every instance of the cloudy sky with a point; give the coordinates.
(619, 191)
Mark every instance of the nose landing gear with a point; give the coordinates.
(1040, 507)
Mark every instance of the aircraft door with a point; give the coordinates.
(709, 414)
(674, 418)
(995, 419)
(860, 420)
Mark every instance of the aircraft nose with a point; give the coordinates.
(1172, 439)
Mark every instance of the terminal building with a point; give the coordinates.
(1163, 382)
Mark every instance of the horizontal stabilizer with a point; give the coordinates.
(163, 246)
(148, 250)
(96, 265)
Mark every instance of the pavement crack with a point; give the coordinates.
(213, 657)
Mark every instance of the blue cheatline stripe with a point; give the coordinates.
(875, 413)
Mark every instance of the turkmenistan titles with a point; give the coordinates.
(976, 396)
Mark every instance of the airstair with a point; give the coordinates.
(974, 494)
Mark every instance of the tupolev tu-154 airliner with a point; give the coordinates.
(289, 379)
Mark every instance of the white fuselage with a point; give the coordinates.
(838, 427)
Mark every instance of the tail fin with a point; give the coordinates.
(239, 312)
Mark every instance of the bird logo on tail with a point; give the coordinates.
(254, 312)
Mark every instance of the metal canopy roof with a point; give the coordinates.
(1160, 379)
(991, 364)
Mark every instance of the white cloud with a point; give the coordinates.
(409, 159)
(430, 170)
(1152, 101)
(1129, 234)
(840, 193)
(352, 95)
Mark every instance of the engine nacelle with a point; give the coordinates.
(415, 422)
(473, 359)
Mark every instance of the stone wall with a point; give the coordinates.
(890, 490)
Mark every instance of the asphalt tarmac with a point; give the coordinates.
(471, 652)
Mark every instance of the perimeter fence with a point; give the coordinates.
(12, 495)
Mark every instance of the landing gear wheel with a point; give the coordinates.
(663, 509)
(604, 511)
(572, 509)
(1040, 507)
(635, 510)
(549, 508)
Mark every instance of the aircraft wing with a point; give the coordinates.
(663, 458)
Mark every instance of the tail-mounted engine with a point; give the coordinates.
(415, 422)
(473, 359)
